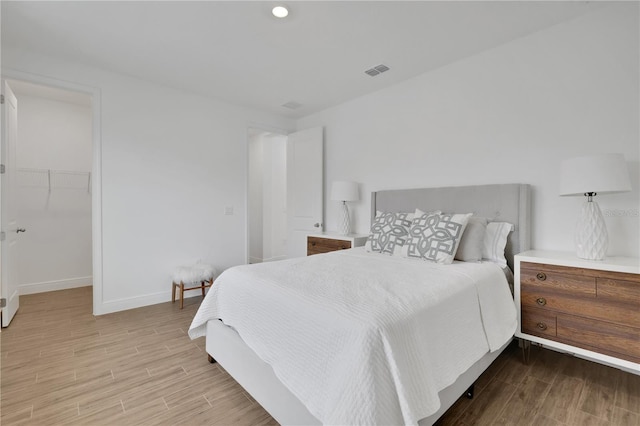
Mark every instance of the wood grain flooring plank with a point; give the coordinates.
(563, 397)
(546, 364)
(542, 420)
(628, 393)
(524, 404)
(108, 412)
(623, 417)
(172, 416)
(487, 406)
(140, 367)
(597, 400)
(57, 414)
(580, 418)
(514, 371)
(17, 414)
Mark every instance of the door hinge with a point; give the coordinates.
(3, 303)
(2, 169)
(3, 235)
(1, 99)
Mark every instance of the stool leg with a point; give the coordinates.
(173, 292)
(181, 295)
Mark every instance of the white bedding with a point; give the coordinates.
(364, 338)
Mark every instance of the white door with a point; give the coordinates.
(305, 178)
(7, 209)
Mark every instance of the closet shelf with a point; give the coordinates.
(50, 178)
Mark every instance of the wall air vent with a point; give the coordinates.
(378, 69)
(292, 105)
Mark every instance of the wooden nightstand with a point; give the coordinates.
(587, 308)
(324, 243)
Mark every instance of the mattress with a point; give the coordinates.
(364, 338)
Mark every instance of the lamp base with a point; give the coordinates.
(344, 225)
(592, 240)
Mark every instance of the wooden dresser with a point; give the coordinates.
(324, 243)
(589, 308)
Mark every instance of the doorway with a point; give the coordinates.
(285, 192)
(267, 196)
(52, 188)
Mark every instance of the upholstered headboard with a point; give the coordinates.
(501, 202)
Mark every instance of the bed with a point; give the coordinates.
(402, 379)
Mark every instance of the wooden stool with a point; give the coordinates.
(198, 276)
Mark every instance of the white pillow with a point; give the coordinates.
(472, 242)
(435, 237)
(495, 241)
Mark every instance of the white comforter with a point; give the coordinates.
(364, 338)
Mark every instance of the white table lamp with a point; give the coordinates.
(344, 191)
(589, 176)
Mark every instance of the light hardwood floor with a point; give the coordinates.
(61, 365)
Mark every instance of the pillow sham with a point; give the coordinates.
(495, 241)
(435, 237)
(472, 241)
(389, 232)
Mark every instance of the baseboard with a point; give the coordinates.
(255, 259)
(275, 258)
(132, 302)
(33, 288)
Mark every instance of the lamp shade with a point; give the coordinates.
(602, 174)
(344, 191)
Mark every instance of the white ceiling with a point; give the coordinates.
(238, 52)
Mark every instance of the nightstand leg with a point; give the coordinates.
(526, 350)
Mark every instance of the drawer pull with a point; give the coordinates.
(541, 326)
(541, 276)
(313, 243)
(541, 301)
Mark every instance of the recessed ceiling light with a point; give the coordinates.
(280, 12)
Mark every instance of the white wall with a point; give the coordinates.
(510, 114)
(171, 162)
(55, 252)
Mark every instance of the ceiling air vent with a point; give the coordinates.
(292, 105)
(378, 69)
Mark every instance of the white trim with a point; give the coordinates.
(140, 301)
(117, 305)
(275, 258)
(33, 288)
(96, 171)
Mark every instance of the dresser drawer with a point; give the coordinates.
(581, 304)
(611, 339)
(557, 279)
(317, 245)
(538, 323)
(619, 291)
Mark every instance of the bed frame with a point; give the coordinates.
(503, 202)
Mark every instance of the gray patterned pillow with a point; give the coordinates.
(388, 232)
(435, 237)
